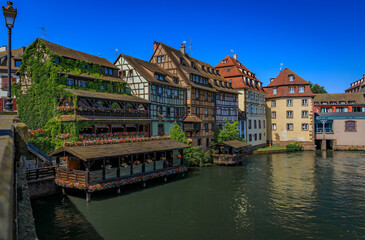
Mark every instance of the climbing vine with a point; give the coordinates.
(44, 74)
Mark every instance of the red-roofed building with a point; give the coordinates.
(251, 100)
(289, 101)
(357, 86)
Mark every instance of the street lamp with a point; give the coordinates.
(10, 15)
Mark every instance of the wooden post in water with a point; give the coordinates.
(118, 169)
(154, 162)
(132, 160)
(88, 195)
(103, 168)
(144, 163)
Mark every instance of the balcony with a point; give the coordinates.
(327, 130)
(113, 114)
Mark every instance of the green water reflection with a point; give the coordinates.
(308, 195)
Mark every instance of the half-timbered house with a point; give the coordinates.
(251, 99)
(198, 78)
(155, 84)
(90, 90)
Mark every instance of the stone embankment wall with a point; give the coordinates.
(42, 188)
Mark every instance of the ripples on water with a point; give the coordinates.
(308, 195)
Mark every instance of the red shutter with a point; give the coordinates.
(14, 105)
(1, 104)
(4, 83)
(13, 80)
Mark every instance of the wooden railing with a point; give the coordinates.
(113, 114)
(72, 175)
(41, 173)
(227, 160)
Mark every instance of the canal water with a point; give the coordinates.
(307, 195)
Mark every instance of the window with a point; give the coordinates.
(289, 127)
(70, 82)
(206, 127)
(254, 124)
(206, 112)
(206, 96)
(263, 123)
(110, 71)
(199, 142)
(228, 70)
(301, 89)
(289, 114)
(83, 83)
(224, 61)
(289, 103)
(273, 126)
(275, 91)
(304, 114)
(259, 136)
(188, 94)
(273, 103)
(18, 63)
(197, 96)
(250, 137)
(342, 102)
(198, 111)
(176, 94)
(162, 58)
(57, 60)
(159, 91)
(161, 129)
(351, 102)
(181, 61)
(131, 73)
(212, 126)
(291, 78)
(350, 126)
(342, 109)
(304, 102)
(169, 94)
(333, 102)
(255, 136)
(291, 89)
(106, 71)
(324, 103)
(159, 77)
(168, 112)
(304, 126)
(259, 124)
(273, 114)
(249, 124)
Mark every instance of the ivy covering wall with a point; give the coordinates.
(37, 102)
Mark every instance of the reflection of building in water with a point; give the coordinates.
(293, 183)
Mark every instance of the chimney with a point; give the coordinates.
(155, 44)
(182, 48)
(3, 49)
(235, 56)
(272, 79)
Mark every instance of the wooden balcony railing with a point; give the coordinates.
(73, 175)
(41, 173)
(113, 114)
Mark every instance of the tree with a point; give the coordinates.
(177, 133)
(229, 132)
(317, 89)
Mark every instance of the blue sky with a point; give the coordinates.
(322, 41)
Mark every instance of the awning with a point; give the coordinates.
(119, 149)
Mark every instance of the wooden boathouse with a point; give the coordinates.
(100, 167)
(229, 152)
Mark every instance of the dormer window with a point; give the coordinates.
(203, 68)
(291, 89)
(193, 65)
(176, 80)
(224, 61)
(208, 69)
(275, 91)
(160, 59)
(291, 78)
(215, 82)
(228, 70)
(159, 77)
(18, 63)
(301, 89)
(181, 61)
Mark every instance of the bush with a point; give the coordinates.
(293, 147)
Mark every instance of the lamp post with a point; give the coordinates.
(10, 15)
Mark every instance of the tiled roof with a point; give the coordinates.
(74, 54)
(192, 118)
(233, 70)
(282, 84)
(141, 67)
(283, 79)
(108, 96)
(16, 55)
(358, 98)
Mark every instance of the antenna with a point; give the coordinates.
(116, 52)
(44, 32)
(232, 52)
(281, 66)
(190, 48)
